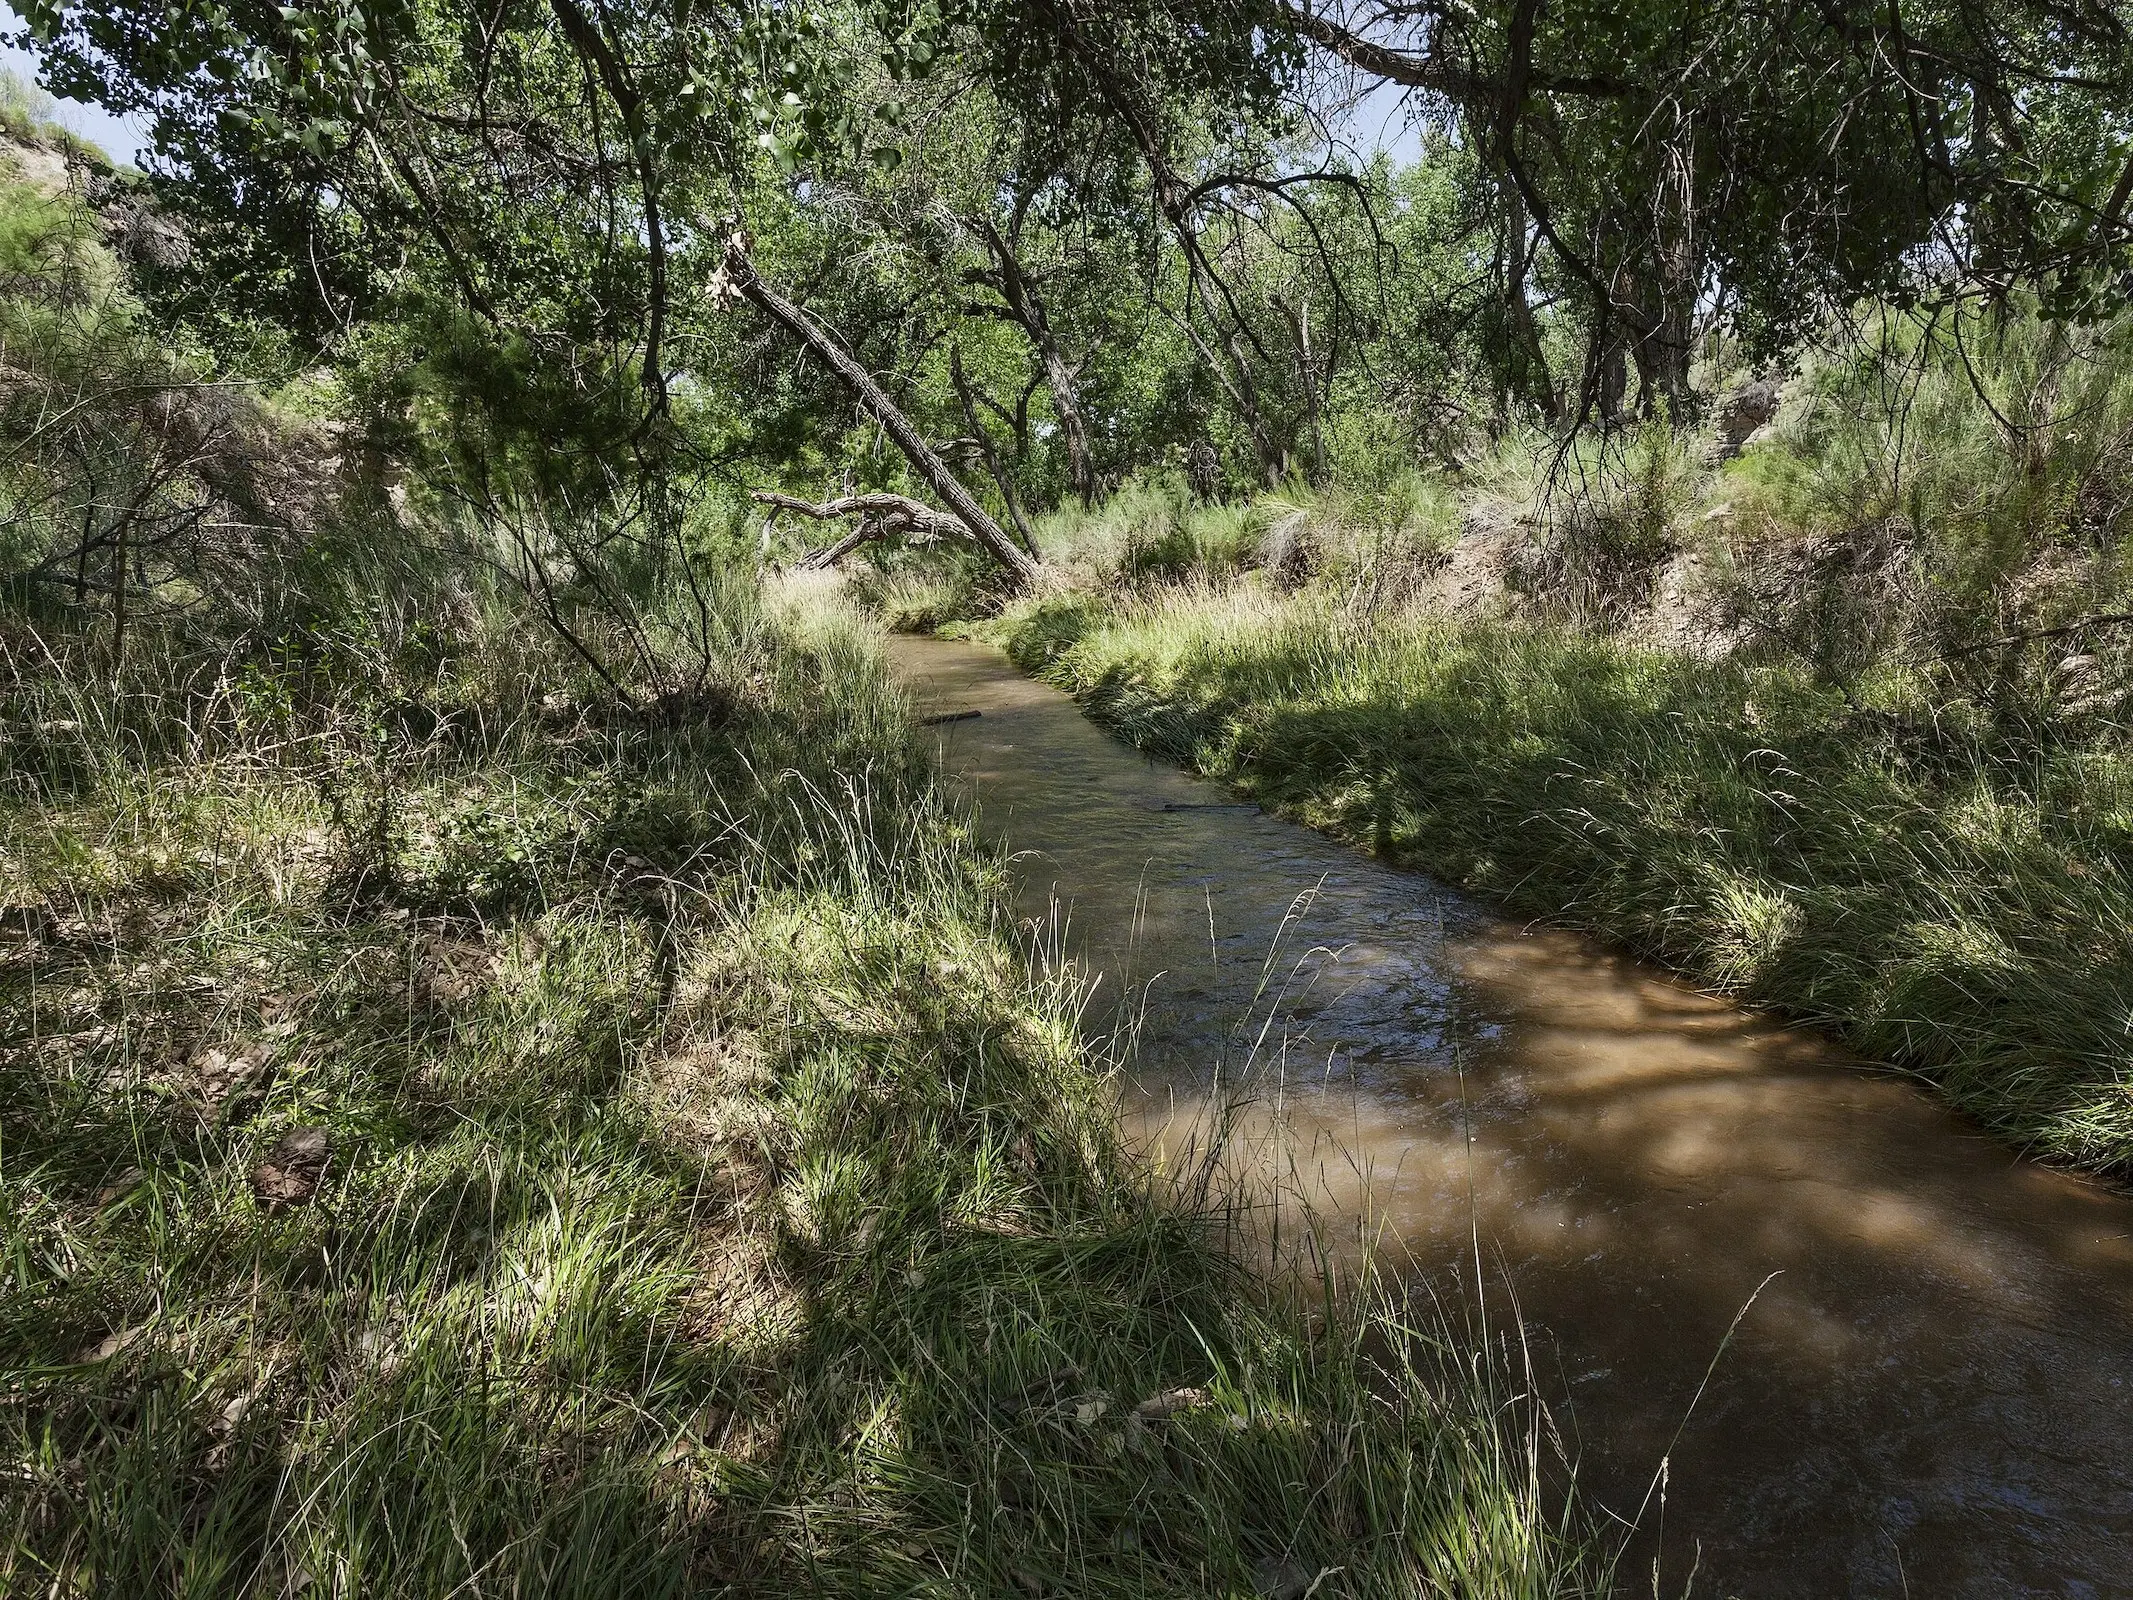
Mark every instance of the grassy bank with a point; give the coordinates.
(1894, 868)
(460, 1133)
(1835, 715)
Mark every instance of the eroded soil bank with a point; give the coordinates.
(1930, 1392)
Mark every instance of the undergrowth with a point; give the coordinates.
(461, 1132)
(1887, 860)
(1862, 756)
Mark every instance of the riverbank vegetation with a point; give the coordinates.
(514, 1079)
(461, 1131)
(1838, 725)
(522, 1085)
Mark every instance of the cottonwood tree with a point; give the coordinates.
(1204, 95)
(1773, 160)
(543, 185)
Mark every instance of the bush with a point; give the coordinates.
(1978, 475)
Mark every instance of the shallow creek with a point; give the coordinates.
(1932, 1395)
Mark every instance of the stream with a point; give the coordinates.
(1928, 1390)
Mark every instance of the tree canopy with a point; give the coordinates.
(1036, 246)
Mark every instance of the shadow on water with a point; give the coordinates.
(1932, 1394)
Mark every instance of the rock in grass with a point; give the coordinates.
(110, 1345)
(119, 1187)
(225, 1072)
(1281, 1578)
(1162, 1407)
(1744, 412)
(291, 1172)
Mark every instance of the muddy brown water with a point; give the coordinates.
(1929, 1398)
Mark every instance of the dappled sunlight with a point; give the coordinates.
(1924, 1321)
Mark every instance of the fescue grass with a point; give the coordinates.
(714, 1201)
(1877, 775)
(1884, 858)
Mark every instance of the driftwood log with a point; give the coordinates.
(880, 516)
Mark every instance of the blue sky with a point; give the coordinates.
(1379, 121)
(121, 138)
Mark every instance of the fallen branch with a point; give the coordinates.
(880, 515)
(2114, 619)
(737, 279)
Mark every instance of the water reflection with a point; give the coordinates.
(1931, 1394)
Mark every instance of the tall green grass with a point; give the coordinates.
(1877, 858)
(1880, 778)
(714, 1200)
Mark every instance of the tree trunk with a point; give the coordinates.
(1273, 458)
(1662, 355)
(1527, 368)
(1242, 395)
(1614, 379)
(1000, 479)
(1073, 425)
(1026, 307)
(118, 594)
(1666, 342)
(741, 276)
(1606, 380)
(1298, 318)
(1663, 343)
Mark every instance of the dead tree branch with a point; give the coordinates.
(881, 516)
(739, 278)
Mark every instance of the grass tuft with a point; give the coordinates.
(1941, 894)
(462, 1134)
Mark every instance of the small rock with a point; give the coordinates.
(109, 1346)
(233, 1414)
(223, 1069)
(1743, 413)
(291, 1173)
(1281, 1578)
(1160, 1407)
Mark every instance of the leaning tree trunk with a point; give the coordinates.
(1025, 306)
(741, 278)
